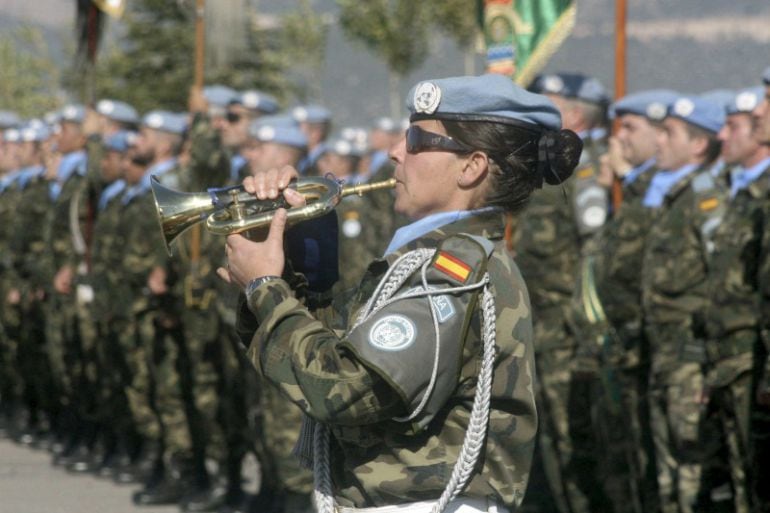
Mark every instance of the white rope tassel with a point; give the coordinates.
(479, 421)
(476, 433)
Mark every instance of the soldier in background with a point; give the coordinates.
(315, 122)
(550, 236)
(11, 383)
(732, 318)
(241, 112)
(760, 438)
(608, 316)
(62, 337)
(26, 246)
(687, 204)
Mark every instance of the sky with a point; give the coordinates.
(688, 45)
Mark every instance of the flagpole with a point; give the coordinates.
(200, 57)
(620, 80)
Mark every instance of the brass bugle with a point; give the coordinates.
(233, 210)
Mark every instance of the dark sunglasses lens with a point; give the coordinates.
(413, 139)
(233, 117)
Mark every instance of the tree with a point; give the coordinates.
(152, 65)
(399, 31)
(30, 77)
(395, 30)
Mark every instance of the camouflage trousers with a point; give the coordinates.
(63, 348)
(554, 438)
(116, 347)
(676, 409)
(138, 343)
(33, 362)
(729, 411)
(11, 382)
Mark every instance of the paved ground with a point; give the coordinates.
(30, 484)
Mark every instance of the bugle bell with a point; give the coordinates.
(233, 210)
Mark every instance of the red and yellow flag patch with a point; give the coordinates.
(452, 266)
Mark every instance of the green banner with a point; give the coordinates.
(521, 35)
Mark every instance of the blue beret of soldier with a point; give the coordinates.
(117, 110)
(219, 95)
(72, 113)
(386, 125)
(8, 119)
(766, 76)
(34, 131)
(311, 114)
(490, 97)
(11, 135)
(745, 100)
(278, 129)
(652, 104)
(257, 100)
(571, 85)
(119, 141)
(699, 112)
(165, 121)
(344, 147)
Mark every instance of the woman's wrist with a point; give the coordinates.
(253, 285)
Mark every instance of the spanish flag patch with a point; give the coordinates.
(452, 266)
(709, 204)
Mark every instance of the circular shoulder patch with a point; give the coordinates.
(392, 333)
(427, 96)
(351, 228)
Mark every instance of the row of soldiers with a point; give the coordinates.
(125, 360)
(650, 328)
(652, 314)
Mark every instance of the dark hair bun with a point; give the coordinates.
(558, 155)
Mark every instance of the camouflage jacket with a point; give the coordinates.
(612, 260)
(106, 250)
(733, 316)
(139, 247)
(674, 269)
(377, 460)
(209, 159)
(28, 244)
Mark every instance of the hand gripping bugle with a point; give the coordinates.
(233, 210)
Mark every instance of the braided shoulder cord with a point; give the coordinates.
(475, 435)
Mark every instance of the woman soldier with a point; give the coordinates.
(420, 394)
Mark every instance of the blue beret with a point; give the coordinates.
(117, 110)
(766, 76)
(344, 147)
(119, 141)
(311, 114)
(278, 129)
(652, 104)
(11, 135)
(490, 97)
(745, 100)
(386, 125)
(219, 95)
(357, 136)
(8, 119)
(73, 113)
(34, 131)
(165, 121)
(257, 100)
(571, 85)
(698, 112)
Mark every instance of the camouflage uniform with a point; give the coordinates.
(732, 324)
(11, 383)
(355, 389)
(609, 331)
(548, 243)
(60, 309)
(760, 416)
(674, 294)
(28, 247)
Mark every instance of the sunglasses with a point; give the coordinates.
(232, 117)
(419, 140)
